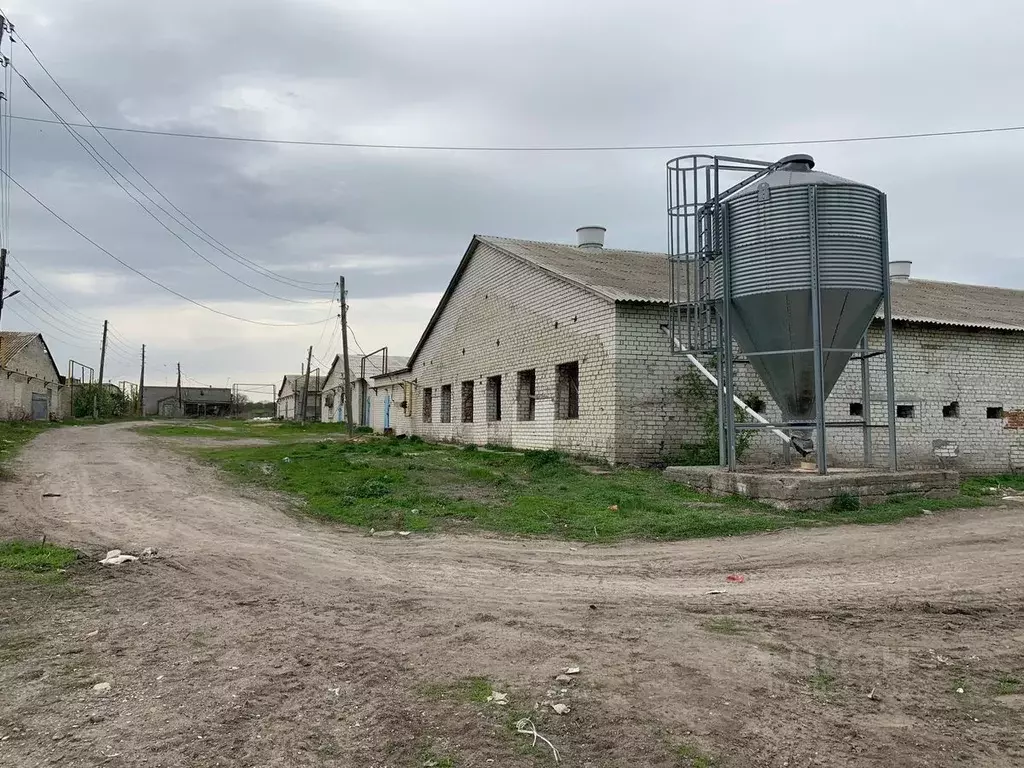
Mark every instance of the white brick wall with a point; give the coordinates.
(29, 372)
(503, 318)
(934, 366)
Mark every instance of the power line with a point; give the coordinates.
(205, 236)
(107, 167)
(143, 275)
(527, 148)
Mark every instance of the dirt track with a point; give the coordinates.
(257, 638)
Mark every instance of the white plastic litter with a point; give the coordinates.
(497, 697)
(114, 557)
(572, 670)
(527, 727)
(560, 709)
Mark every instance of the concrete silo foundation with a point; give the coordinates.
(796, 489)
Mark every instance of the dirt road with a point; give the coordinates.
(258, 638)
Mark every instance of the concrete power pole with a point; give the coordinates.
(103, 359)
(344, 355)
(305, 386)
(142, 382)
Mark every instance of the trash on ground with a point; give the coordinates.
(287, 459)
(49, 495)
(526, 726)
(959, 690)
(403, 533)
(560, 708)
(114, 557)
(148, 552)
(497, 697)
(101, 687)
(715, 592)
(1013, 498)
(736, 578)
(572, 670)
(563, 679)
(93, 633)
(614, 508)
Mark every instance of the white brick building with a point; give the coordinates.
(289, 395)
(29, 379)
(361, 372)
(541, 345)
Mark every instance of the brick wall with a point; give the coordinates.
(935, 366)
(501, 319)
(30, 372)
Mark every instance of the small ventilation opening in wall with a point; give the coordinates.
(904, 411)
(757, 403)
(994, 412)
(856, 409)
(951, 411)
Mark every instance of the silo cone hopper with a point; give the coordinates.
(779, 229)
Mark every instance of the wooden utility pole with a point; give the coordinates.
(305, 386)
(103, 359)
(344, 355)
(180, 407)
(142, 382)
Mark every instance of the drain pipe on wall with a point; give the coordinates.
(714, 381)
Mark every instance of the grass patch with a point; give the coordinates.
(1005, 686)
(724, 625)
(822, 681)
(35, 558)
(468, 689)
(429, 759)
(235, 429)
(692, 756)
(388, 483)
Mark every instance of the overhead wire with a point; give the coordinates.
(544, 148)
(307, 285)
(142, 274)
(108, 168)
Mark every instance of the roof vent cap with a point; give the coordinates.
(899, 271)
(590, 237)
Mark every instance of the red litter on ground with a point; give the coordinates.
(735, 577)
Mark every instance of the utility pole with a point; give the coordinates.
(180, 407)
(142, 382)
(344, 354)
(305, 386)
(103, 359)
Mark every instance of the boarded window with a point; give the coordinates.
(994, 412)
(428, 405)
(467, 401)
(567, 391)
(446, 404)
(951, 411)
(494, 398)
(904, 411)
(856, 409)
(526, 395)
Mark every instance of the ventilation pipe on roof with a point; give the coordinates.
(590, 237)
(899, 271)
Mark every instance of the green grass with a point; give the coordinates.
(822, 681)
(429, 759)
(1006, 686)
(694, 757)
(468, 689)
(34, 558)
(394, 484)
(724, 625)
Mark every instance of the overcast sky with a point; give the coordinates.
(463, 72)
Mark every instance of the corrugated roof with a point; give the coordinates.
(12, 342)
(642, 276)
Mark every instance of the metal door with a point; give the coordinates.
(40, 406)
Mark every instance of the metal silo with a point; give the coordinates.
(792, 264)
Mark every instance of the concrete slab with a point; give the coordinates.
(802, 489)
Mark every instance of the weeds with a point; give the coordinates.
(1006, 686)
(692, 756)
(468, 689)
(822, 681)
(35, 558)
(845, 502)
(724, 625)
